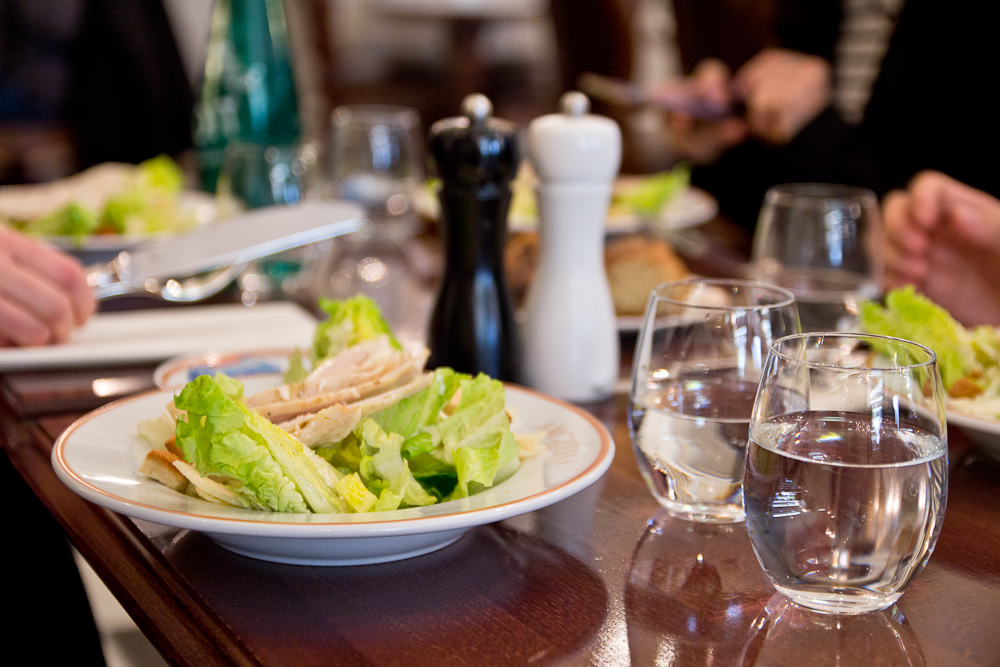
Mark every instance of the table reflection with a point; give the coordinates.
(497, 593)
(787, 634)
(692, 593)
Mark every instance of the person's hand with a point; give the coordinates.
(703, 141)
(943, 237)
(783, 91)
(43, 292)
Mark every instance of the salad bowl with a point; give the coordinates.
(99, 455)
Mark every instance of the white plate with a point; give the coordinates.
(99, 455)
(984, 432)
(240, 364)
(691, 207)
(158, 334)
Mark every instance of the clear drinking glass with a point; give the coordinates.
(816, 240)
(698, 361)
(847, 468)
(377, 160)
(257, 175)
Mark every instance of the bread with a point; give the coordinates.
(635, 265)
(159, 465)
(520, 261)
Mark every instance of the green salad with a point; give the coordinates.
(968, 360)
(108, 199)
(448, 438)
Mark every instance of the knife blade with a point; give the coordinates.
(228, 243)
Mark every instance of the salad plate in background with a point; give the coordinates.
(98, 457)
(981, 429)
(665, 201)
(968, 359)
(108, 208)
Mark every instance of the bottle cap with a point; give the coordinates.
(575, 145)
(475, 151)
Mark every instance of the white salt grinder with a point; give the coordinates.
(570, 336)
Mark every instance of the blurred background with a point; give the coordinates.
(86, 81)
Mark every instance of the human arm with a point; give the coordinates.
(43, 292)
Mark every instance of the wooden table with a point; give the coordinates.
(602, 578)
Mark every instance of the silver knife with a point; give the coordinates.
(225, 247)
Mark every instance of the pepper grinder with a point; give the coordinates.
(570, 331)
(472, 327)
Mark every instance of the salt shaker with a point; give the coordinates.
(571, 347)
(472, 328)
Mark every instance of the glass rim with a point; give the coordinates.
(813, 192)
(788, 298)
(931, 361)
(375, 113)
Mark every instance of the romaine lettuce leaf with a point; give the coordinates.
(387, 463)
(269, 469)
(72, 220)
(914, 317)
(410, 415)
(350, 321)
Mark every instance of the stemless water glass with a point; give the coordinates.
(818, 240)
(256, 175)
(847, 468)
(698, 362)
(376, 159)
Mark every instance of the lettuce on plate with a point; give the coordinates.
(150, 204)
(72, 220)
(646, 196)
(968, 360)
(447, 441)
(349, 322)
(266, 468)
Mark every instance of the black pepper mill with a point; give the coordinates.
(472, 328)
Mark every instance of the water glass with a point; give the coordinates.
(698, 362)
(847, 468)
(819, 241)
(256, 175)
(376, 160)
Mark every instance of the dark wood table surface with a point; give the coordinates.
(603, 578)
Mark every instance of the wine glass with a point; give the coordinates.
(820, 241)
(847, 468)
(698, 361)
(376, 160)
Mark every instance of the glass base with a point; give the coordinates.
(843, 601)
(704, 512)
